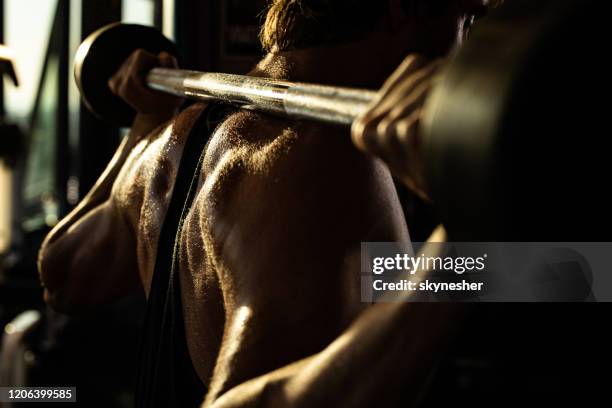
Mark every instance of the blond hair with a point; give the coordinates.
(303, 23)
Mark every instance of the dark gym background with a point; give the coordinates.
(523, 354)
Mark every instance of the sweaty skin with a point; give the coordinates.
(270, 251)
(269, 267)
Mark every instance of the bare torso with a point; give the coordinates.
(269, 261)
(143, 190)
(247, 158)
(269, 264)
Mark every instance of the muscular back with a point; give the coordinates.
(269, 262)
(277, 223)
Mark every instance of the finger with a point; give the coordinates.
(411, 82)
(116, 81)
(142, 56)
(408, 134)
(422, 66)
(142, 98)
(370, 131)
(387, 111)
(405, 87)
(387, 100)
(139, 97)
(113, 84)
(367, 132)
(411, 164)
(396, 148)
(411, 63)
(363, 134)
(142, 63)
(129, 68)
(406, 106)
(407, 131)
(167, 60)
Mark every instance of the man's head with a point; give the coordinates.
(431, 27)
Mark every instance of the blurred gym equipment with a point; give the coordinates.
(12, 141)
(510, 136)
(101, 55)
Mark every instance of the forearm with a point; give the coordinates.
(388, 352)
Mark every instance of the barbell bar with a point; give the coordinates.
(293, 100)
(103, 52)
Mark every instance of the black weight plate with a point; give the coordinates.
(101, 55)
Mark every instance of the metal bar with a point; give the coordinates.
(295, 100)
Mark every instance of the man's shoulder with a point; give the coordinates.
(267, 145)
(298, 167)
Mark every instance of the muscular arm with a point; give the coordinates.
(386, 355)
(89, 257)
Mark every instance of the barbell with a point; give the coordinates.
(102, 53)
(487, 124)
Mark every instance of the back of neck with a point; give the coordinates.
(358, 64)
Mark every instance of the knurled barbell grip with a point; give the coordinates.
(295, 100)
